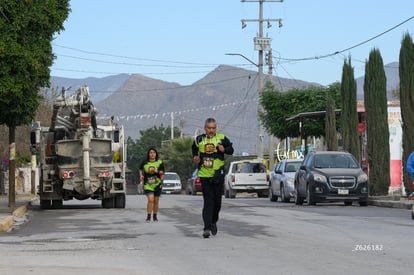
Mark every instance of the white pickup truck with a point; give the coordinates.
(246, 176)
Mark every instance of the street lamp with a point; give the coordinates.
(239, 54)
(261, 128)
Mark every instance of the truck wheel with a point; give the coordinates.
(45, 204)
(57, 203)
(120, 201)
(108, 202)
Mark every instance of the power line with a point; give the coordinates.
(129, 57)
(237, 112)
(178, 112)
(194, 63)
(349, 48)
(137, 64)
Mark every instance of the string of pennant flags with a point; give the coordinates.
(168, 114)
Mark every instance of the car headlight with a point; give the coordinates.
(362, 178)
(319, 178)
(290, 181)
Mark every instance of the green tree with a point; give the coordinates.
(279, 106)
(406, 73)
(23, 153)
(152, 137)
(26, 32)
(349, 113)
(178, 158)
(378, 148)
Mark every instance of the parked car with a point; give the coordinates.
(194, 184)
(329, 176)
(171, 183)
(282, 180)
(246, 176)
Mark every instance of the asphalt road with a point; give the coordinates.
(255, 236)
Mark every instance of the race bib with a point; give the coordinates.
(208, 162)
(152, 180)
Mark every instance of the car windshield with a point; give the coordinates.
(171, 177)
(252, 167)
(292, 166)
(335, 161)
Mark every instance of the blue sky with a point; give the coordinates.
(182, 41)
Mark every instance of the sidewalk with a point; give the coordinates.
(9, 215)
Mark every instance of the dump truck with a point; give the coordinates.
(77, 156)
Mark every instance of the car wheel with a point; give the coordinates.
(412, 215)
(283, 196)
(363, 203)
(232, 193)
(45, 204)
(272, 197)
(298, 199)
(226, 193)
(348, 203)
(309, 199)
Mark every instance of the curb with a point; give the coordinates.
(392, 204)
(8, 222)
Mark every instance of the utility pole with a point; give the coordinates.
(261, 44)
(271, 137)
(172, 126)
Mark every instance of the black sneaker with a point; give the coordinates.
(206, 234)
(214, 229)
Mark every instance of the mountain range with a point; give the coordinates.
(229, 94)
